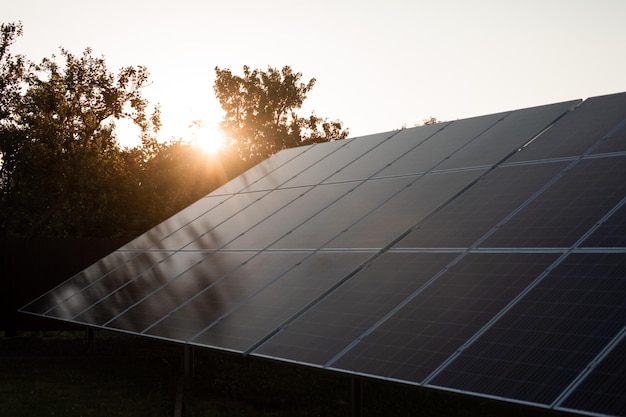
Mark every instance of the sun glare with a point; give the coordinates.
(209, 139)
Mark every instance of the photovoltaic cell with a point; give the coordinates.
(515, 130)
(603, 391)
(277, 303)
(145, 312)
(209, 303)
(78, 299)
(611, 233)
(399, 143)
(79, 281)
(551, 335)
(296, 165)
(430, 153)
(271, 167)
(330, 326)
(285, 220)
(338, 160)
(566, 210)
(578, 130)
(342, 214)
(240, 222)
(475, 212)
(387, 223)
(412, 343)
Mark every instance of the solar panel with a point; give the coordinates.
(505, 137)
(535, 350)
(602, 391)
(578, 130)
(429, 153)
(477, 211)
(483, 256)
(562, 214)
(441, 317)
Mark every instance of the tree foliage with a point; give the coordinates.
(261, 116)
(62, 171)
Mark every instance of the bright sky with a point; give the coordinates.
(378, 64)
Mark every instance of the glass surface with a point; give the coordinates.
(568, 208)
(114, 303)
(178, 291)
(341, 214)
(399, 143)
(388, 222)
(270, 166)
(331, 325)
(602, 391)
(615, 142)
(207, 306)
(479, 209)
(78, 282)
(338, 160)
(430, 153)
(611, 233)
(209, 220)
(416, 340)
(240, 223)
(80, 300)
(506, 137)
(298, 164)
(152, 238)
(280, 301)
(550, 336)
(291, 216)
(578, 130)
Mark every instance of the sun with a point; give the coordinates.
(209, 139)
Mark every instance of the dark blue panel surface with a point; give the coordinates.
(343, 213)
(199, 276)
(399, 143)
(604, 390)
(568, 209)
(279, 302)
(394, 218)
(537, 348)
(442, 317)
(430, 153)
(578, 130)
(506, 137)
(334, 323)
(338, 160)
(611, 233)
(479, 209)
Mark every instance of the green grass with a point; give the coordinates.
(56, 374)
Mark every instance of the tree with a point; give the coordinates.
(63, 172)
(261, 116)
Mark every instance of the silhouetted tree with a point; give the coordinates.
(261, 116)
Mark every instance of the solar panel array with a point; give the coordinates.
(485, 256)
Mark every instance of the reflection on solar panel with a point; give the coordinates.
(485, 256)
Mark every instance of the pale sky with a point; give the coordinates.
(378, 64)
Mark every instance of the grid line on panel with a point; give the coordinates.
(589, 369)
(513, 302)
(312, 303)
(207, 288)
(91, 284)
(495, 318)
(129, 282)
(393, 311)
(372, 176)
(433, 168)
(56, 287)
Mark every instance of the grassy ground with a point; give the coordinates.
(56, 374)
